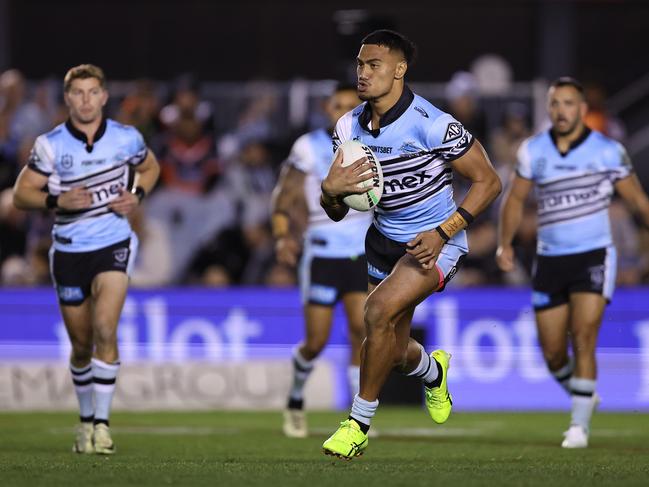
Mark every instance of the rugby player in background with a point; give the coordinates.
(83, 171)
(574, 172)
(333, 266)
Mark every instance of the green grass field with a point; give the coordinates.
(231, 449)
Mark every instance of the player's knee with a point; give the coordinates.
(376, 316)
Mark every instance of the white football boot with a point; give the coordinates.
(295, 425)
(103, 442)
(575, 437)
(83, 439)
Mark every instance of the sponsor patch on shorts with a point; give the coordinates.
(70, 293)
(322, 294)
(540, 299)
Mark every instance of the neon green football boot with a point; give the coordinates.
(347, 442)
(438, 400)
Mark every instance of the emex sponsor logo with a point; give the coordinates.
(409, 182)
(567, 200)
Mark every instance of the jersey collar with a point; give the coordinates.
(78, 134)
(398, 109)
(574, 144)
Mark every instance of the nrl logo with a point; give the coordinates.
(66, 161)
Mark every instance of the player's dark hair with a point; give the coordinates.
(393, 41)
(84, 71)
(568, 81)
(344, 86)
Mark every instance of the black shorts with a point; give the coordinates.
(556, 277)
(73, 272)
(383, 254)
(326, 279)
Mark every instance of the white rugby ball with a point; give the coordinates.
(353, 150)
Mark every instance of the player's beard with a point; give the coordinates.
(569, 131)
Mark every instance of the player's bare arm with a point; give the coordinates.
(511, 213)
(29, 194)
(485, 187)
(147, 173)
(632, 193)
(288, 193)
(342, 181)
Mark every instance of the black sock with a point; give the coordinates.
(437, 382)
(364, 427)
(295, 403)
(101, 421)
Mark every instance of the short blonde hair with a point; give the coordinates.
(84, 71)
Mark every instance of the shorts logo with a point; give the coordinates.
(597, 275)
(66, 161)
(451, 274)
(453, 131)
(67, 293)
(540, 299)
(322, 294)
(120, 255)
(375, 272)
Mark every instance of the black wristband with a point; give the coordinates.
(468, 217)
(442, 234)
(140, 193)
(51, 201)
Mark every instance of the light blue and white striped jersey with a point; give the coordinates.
(103, 168)
(573, 190)
(415, 144)
(311, 154)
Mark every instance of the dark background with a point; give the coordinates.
(281, 40)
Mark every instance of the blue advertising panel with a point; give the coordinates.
(490, 332)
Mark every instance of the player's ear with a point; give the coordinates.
(583, 109)
(402, 67)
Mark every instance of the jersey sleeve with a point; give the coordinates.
(301, 155)
(524, 161)
(448, 137)
(343, 130)
(42, 157)
(138, 149)
(618, 162)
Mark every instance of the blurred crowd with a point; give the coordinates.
(207, 221)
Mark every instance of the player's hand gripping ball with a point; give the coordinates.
(352, 151)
